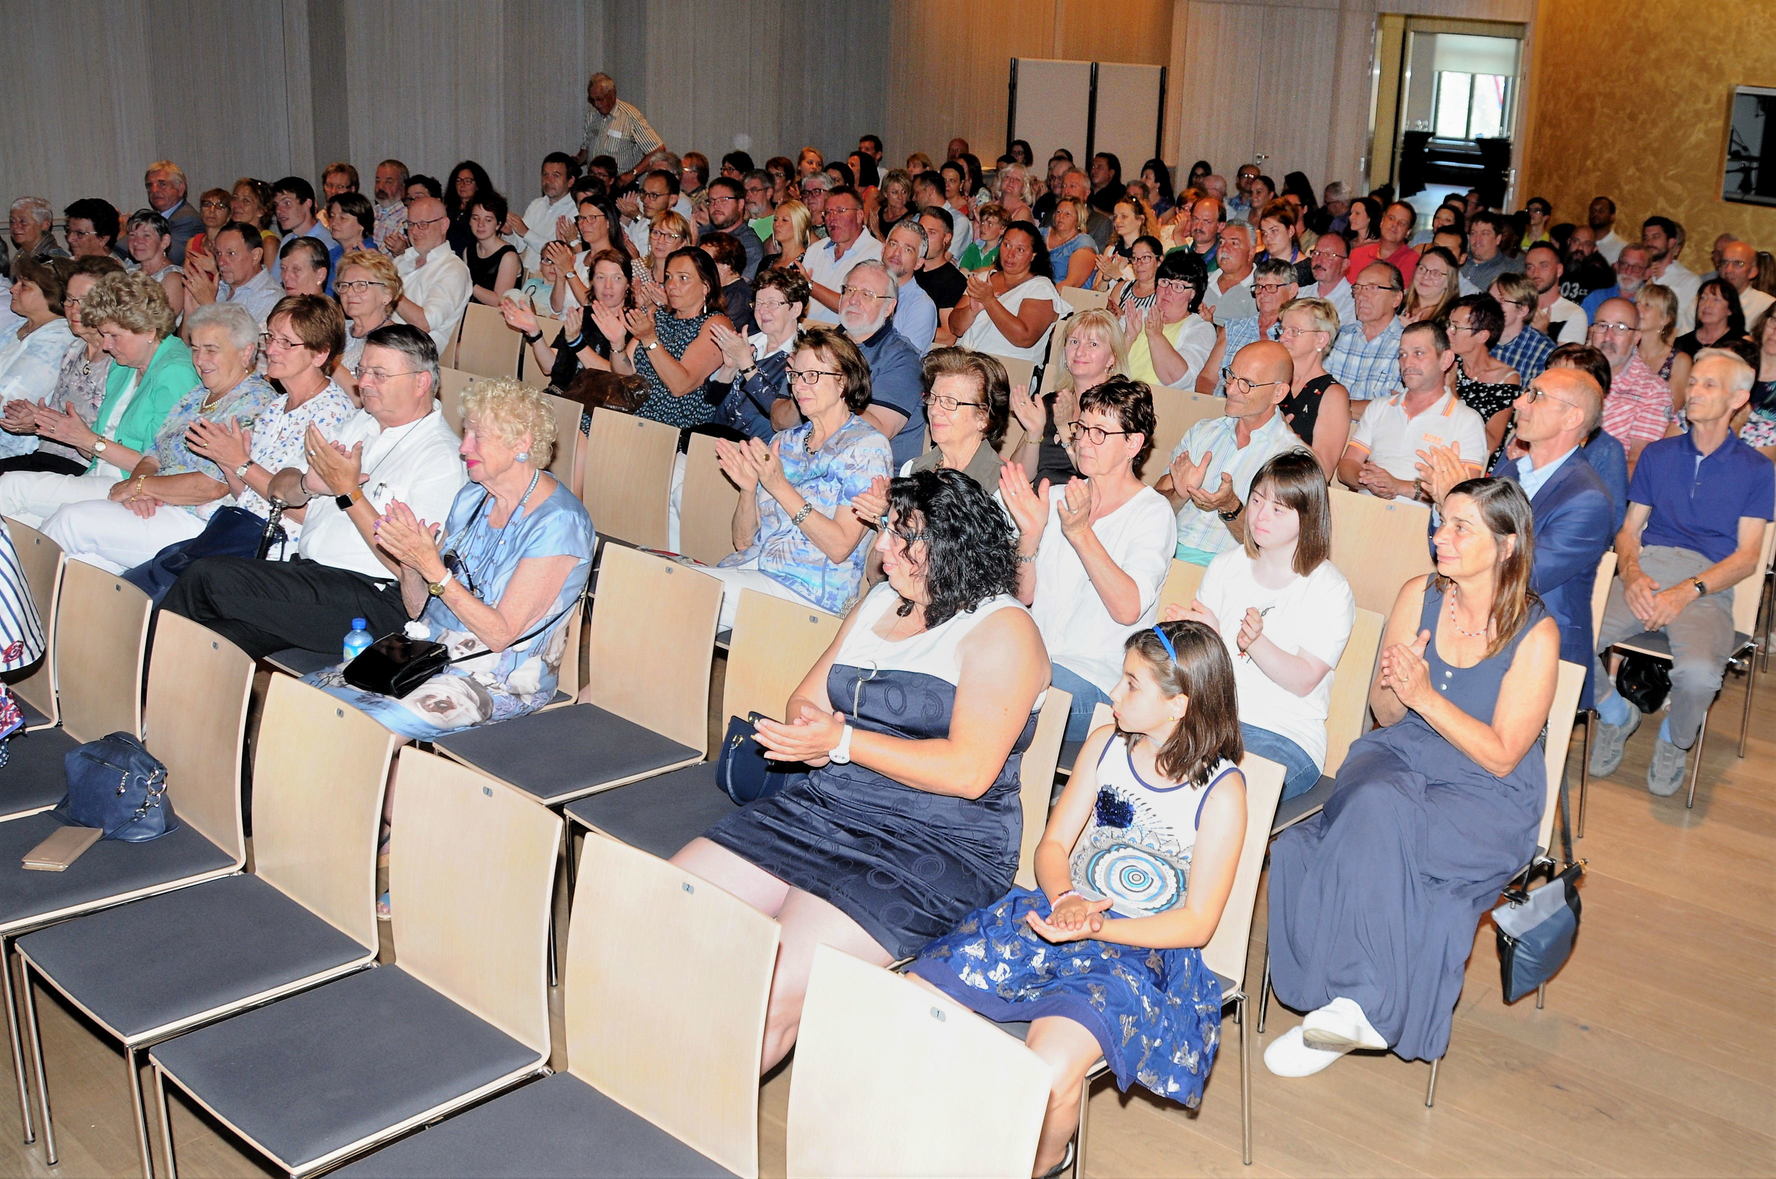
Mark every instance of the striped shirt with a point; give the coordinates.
(624, 135)
(1638, 407)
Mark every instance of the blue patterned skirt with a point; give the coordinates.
(1155, 1013)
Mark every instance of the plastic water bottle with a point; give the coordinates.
(356, 639)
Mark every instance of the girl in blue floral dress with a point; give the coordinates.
(1104, 958)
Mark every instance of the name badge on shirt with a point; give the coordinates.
(615, 133)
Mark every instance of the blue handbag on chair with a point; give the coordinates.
(116, 785)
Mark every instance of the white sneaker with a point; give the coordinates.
(1289, 1056)
(1340, 1026)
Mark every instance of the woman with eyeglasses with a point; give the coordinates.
(468, 180)
(303, 264)
(1093, 349)
(579, 344)
(369, 289)
(668, 233)
(672, 347)
(213, 211)
(567, 270)
(1484, 383)
(1318, 406)
(1137, 293)
(498, 583)
(795, 533)
(1093, 553)
(1169, 343)
(753, 366)
(1436, 284)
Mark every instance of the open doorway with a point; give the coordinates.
(1448, 102)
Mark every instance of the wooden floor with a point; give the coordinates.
(1656, 1054)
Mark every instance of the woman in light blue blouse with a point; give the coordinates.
(794, 531)
(500, 583)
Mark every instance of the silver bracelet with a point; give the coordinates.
(802, 514)
(1026, 560)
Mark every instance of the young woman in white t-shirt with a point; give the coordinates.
(1285, 614)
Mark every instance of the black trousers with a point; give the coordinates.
(267, 606)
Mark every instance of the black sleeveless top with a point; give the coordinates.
(1301, 410)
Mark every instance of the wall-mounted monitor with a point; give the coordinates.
(1750, 171)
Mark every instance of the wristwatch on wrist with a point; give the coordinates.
(100, 446)
(1701, 587)
(533, 337)
(345, 501)
(840, 754)
(240, 472)
(1230, 517)
(437, 588)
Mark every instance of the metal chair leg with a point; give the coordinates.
(1078, 1167)
(1239, 1005)
(1264, 994)
(1751, 676)
(1431, 1089)
(166, 1125)
(30, 1017)
(8, 994)
(1541, 994)
(1696, 766)
(132, 1060)
(1584, 772)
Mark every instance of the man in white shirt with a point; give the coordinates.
(847, 243)
(1383, 453)
(436, 284)
(1738, 268)
(915, 315)
(234, 272)
(537, 228)
(1328, 258)
(398, 448)
(1664, 240)
(1558, 318)
(1230, 288)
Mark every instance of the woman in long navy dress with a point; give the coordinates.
(915, 719)
(1373, 902)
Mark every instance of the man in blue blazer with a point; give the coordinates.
(1571, 503)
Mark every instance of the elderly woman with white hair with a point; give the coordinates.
(171, 491)
(32, 225)
(497, 585)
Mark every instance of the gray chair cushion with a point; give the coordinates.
(109, 868)
(1292, 810)
(33, 717)
(657, 815)
(558, 1128)
(310, 1074)
(35, 775)
(298, 662)
(144, 965)
(564, 753)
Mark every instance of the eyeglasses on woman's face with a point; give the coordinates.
(950, 404)
(1093, 434)
(810, 376)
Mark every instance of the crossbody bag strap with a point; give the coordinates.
(520, 641)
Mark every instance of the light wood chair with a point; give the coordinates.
(528, 368)
(629, 477)
(1378, 544)
(1021, 371)
(911, 1081)
(568, 462)
(1083, 300)
(306, 914)
(101, 647)
(707, 503)
(1347, 716)
(1183, 582)
(41, 560)
(1174, 412)
(198, 690)
(664, 1009)
(451, 383)
(1036, 778)
(644, 709)
(462, 1016)
(775, 642)
(485, 346)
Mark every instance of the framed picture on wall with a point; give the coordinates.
(1750, 172)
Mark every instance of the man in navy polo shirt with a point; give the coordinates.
(1697, 507)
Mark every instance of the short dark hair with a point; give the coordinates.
(1131, 403)
(252, 237)
(873, 142)
(317, 320)
(843, 352)
(728, 185)
(939, 212)
(705, 267)
(673, 184)
(1439, 336)
(740, 161)
(49, 275)
(1186, 266)
(357, 206)
(985, 369)
(318, 255)
(1484, 314)
(95, 266)
(793, 285)
(970, 555)
(725, 248)
(341, 168)
(101, 213)
(1586, 359)
(297, 187)
(494, 203)
(430, 184)
(1664, 225)
(1209, 733)
(566, 161)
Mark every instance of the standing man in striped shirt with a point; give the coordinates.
(615, 128)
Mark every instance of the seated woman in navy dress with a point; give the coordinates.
(1374, 901)
(915, 720)
(1139, 855)
(498, 584)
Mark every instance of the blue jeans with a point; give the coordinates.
(1299, 772)
(1086, 698)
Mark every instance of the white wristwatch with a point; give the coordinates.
(840, 754)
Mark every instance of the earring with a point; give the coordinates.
(522, 456)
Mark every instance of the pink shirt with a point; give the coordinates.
(1638, 408)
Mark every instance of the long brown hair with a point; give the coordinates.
(1505, 510)
(1201, 671)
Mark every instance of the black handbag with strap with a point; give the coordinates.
(1536, 927)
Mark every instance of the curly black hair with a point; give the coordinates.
(970, 554)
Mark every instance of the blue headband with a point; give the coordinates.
(1171, 651)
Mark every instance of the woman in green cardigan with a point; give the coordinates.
(151, 372)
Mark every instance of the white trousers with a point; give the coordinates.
(735, 580)
(31, 497)
(111, 536)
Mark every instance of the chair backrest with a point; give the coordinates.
(570, 444)
(41, 560)
(1378, 544)
(1183, 581)
(1084, 300)
(319, 770)
(471, 871)
(486, 346)
(651, 643)
(706, 508)
(1347, 712)
(198, 693)
(1021, 371)
(1174, 412)
(1600, 590)
(628, 476)
(1036, 778)
(1568, 685)
(571, 677)
(664, 998)
(101, 650)
(775, 642)
(528, 368)
(896, 1080)
(1226, 952)
(451, 383)
(1748, 594)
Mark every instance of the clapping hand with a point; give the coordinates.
(201, 279)
(870, 506)
(739, 462)
(1195, 612)
(1077, 505)
(227, 444)
(1028, 410)
(736, 352)
(1222, 499)
(1379, 483)
(337, 468)
(564, 228)
(980, 286)
(20, 417)
(611, 325)
(1439, 469)
(1404, 670)
(409, 540)
(64, 426)
(518, 316)
(1028, 508)
(573, 321)
(1187, 474)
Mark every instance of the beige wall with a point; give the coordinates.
(1652, 137)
